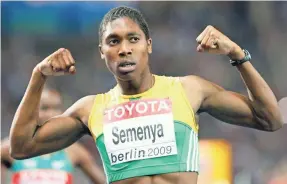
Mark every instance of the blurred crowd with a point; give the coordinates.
(33, 30)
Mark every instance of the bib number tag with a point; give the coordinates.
(41, 177)
(139, 130)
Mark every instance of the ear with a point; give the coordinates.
(149, 45)
(101, 51)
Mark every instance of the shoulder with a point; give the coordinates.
(87, 99)
(191, 79)
(189, 82)
(81, 109)
(106, 97)
(193, 82)
(83, 104)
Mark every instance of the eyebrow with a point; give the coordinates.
(134, 34)
(113, 35)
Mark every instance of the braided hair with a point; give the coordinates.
(124, 11)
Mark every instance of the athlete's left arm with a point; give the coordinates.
(259, 110)
(85, 161)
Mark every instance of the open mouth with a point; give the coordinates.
(125, 67)
(126, 64)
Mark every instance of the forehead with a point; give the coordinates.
(122, 26)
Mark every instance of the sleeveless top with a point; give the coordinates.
(154, 132)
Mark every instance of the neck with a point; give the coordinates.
(138, 85)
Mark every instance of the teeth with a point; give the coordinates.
(126, 65)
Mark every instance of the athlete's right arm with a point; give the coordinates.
(27, 138)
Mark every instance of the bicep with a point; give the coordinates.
(61, 131)
(224, 105)
(232, 108)
(57, 133)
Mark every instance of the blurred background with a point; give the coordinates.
(30, 31)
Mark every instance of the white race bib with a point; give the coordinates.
(139, 130)
(42, 176)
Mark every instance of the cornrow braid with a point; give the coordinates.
(120, 12)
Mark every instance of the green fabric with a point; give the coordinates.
(159, 165)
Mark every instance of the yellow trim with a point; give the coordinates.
(182, 109)
(163, 87)
(91, 113)
(190, 108)
(92, 123)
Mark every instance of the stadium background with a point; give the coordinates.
(32, 30)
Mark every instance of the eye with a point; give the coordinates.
(134, 39)
(113, 41)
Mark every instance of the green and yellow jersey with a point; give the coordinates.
(154, 132)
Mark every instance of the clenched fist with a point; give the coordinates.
(59, 63)
(213, 41)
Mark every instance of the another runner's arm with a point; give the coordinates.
(27, 139)
(85, 161)
(6, 159)
(260, 110)
(3, 173)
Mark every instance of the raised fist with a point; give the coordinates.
(213, 41)
(59, 63)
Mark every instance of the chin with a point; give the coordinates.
(125, 76)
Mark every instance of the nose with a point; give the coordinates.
(125, 49)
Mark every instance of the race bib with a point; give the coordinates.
(41, 177)
(139, 130)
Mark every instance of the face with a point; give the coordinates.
(50, 105)
(125, 49)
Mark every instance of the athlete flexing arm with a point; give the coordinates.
(259, 111)
(27, 138)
